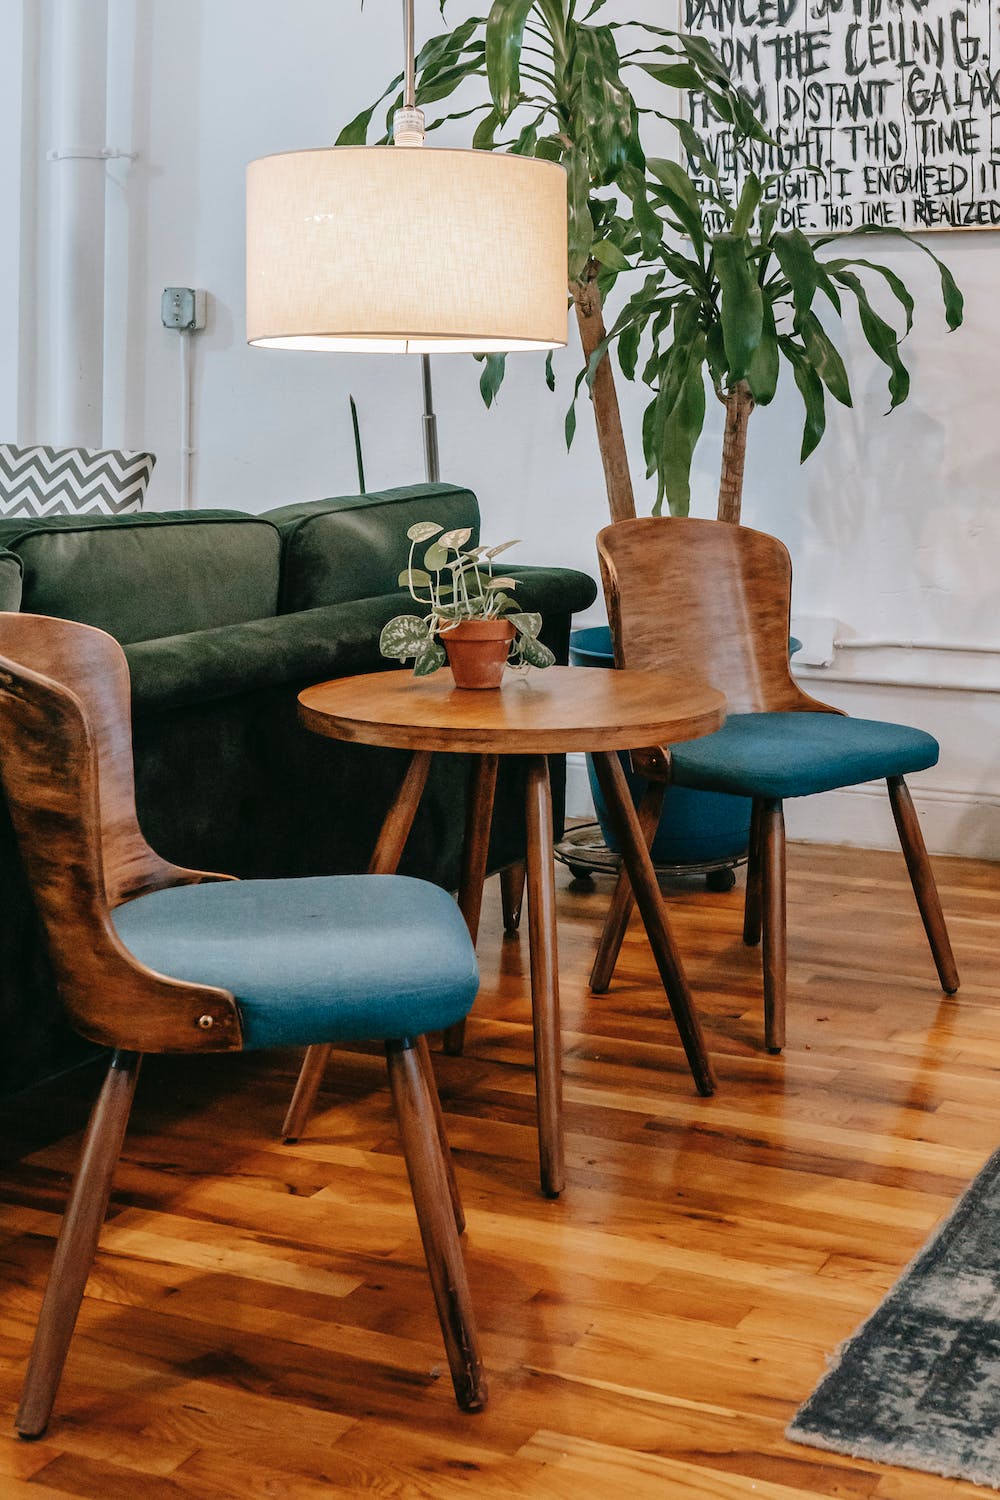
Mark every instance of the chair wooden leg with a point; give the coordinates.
(751, 905)
(544, 975)
(478, 819)
(428, 1181)
(512, 896)
(385, 859)
(307, 1085)
(620, 911)
(424, 1054)
(775, 959)
(922, 880)
(612, 781)
(77, 1244)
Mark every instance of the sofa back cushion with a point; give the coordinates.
(144, 576)
(355, 546)
(10, 582)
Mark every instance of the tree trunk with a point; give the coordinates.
(739, 404)
(610, 438)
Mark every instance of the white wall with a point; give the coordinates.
(892, 523)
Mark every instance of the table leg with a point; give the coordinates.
(544, 974)
(478, 820)
(617, 920)
(637, 861)
(384, 861)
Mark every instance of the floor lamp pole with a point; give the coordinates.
(432, 467)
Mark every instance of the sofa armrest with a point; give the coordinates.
(312, 645)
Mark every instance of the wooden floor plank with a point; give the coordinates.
(259, 1323)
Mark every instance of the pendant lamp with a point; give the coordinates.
(406, 248)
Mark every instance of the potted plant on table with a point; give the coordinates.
(473, 622)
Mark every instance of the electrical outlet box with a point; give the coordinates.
(183, 308)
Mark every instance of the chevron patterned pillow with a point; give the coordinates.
(72, 481)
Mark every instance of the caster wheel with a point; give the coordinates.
(720, 880)
(582, 879)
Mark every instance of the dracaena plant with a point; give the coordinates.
(733, 300)
(457, 583)
(553, 78)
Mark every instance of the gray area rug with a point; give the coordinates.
(919, 1383)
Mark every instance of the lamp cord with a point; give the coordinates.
(409, 58)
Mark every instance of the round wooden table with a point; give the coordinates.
(536, 713)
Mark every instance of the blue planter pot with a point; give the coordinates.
(696, 828)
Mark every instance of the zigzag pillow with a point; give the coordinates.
(72, 481)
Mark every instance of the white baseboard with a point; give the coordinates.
(961, 821)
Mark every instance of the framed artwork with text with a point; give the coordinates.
(896, 101)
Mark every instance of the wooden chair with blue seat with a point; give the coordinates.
(150, 957)
(714, 600)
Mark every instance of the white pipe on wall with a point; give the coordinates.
(80, 98)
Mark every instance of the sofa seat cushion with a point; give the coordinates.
(329, 959)
(355, 546)
(144, 576)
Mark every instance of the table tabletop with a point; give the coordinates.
(535, 712)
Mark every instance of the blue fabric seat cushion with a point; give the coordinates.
(780, 755)
(326, 959)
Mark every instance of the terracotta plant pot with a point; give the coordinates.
(477, 652)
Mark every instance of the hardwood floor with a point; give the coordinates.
(260, 1324)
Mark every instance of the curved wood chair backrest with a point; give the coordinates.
(66, 769)
(704, 599)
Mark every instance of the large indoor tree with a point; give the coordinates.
(727, 295)
(557, 87)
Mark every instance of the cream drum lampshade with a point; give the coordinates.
(396, 250)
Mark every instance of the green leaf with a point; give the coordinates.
(526, 622)
(485, 133)
(550, 374)
(682, 197)
(628, 350)
(491, 552)
(403, 637)
(632, 182)
(762, 372)
(413, 578)
(705, 58)
(422, 531)
(747, 205)
(881, 338)
(796, 259)
(533, 652)
(504, 40)
(608, 254)
(455, 539)
(435, 558)
(429, 658)
(824, 358)
(491, 379)
(954, 302)
(681, 432)
(355, 133)
(898, 287)
(581, 225)
(811, 390)
(601, 108)
(741, 308)
(674, 75)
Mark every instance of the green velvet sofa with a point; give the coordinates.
(225, 617)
